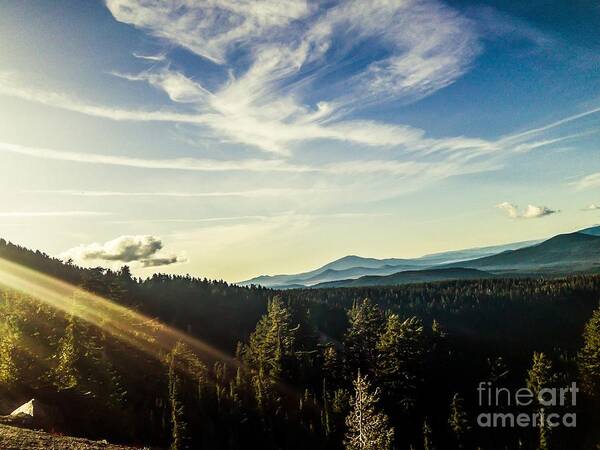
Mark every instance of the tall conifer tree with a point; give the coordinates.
(367, 427)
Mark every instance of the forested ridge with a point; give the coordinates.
(355, 368)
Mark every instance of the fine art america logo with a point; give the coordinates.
(549, 407)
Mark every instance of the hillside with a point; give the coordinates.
(410, 276)
(472, 253)
(593, 231)
(562, 254)
(12, 438)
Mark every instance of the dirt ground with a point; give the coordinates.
(12, 438)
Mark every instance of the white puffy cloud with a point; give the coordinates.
(531, 212)
(143, 250)
(511, 210)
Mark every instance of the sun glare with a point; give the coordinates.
(144, 333)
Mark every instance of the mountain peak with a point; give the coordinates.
(349, 258)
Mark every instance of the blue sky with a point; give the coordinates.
(231, 138)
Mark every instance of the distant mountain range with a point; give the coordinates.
(577, 252)
(411, 276)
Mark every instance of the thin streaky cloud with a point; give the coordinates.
(9, 87)
(177, 86)
(356, 167)
(13, 214)
(274, 136)
(199, 220)
(189, 164)
(155, 58)
(587, 182)
(287, 214)
(249, 193)
(262, 128)
(556, 124)
(528, 146)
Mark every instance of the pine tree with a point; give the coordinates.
(178, 422)
(459, 421)
(540, 376)
(270, 351)
(332, 367)
(367, 428)
(589, 357)
(272, 341)
(427, 436)
(10, 336)
(437, 330)
(65, 373)
(401, 349)
(360, 342)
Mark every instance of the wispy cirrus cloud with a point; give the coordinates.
(273, 103)
(556, 124)
(356, 167)
(587, 182)
(177, 86)
(153, 58)
(254, 193)
(186, 164)
(290, 46)
(40, 214)
(210, 28)
(277, 136)
(263, 129)
(9, 85)
(424, 46)
(530, 212)
(332, 183)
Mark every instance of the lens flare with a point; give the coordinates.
(136, 329)
(142, 332)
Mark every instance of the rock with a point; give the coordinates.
(30, 408)
(33, 414)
